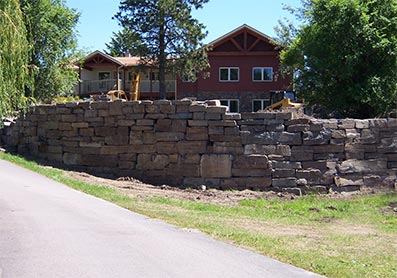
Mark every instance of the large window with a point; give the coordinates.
(233, 105)
(229, 74)
(260, 104)
(262, 74)
(104, 75)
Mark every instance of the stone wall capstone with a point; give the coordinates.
(186, 143)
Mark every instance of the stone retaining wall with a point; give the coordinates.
(185, 143)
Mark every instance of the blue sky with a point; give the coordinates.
(219, 16)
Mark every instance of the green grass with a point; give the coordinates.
(354, 237)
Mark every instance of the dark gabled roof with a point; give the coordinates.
(244, 38)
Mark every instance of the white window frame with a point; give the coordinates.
(262, 103)
(262, 74)
(228, 104)
(228, 74)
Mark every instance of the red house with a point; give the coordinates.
(244, 70)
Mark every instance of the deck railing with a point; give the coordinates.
(98, 86)
(146, 86)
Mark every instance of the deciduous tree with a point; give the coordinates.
(14, 53)
(51, 31)
(169, 36)
(345, 55)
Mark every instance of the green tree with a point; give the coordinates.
(51, 30)
(345, 55)
(14, 52)
(169, 36)
(122, 42)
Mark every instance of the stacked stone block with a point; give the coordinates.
(185, 143)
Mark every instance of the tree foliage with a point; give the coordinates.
(50, 28)
(166, 29)
(345, 55)
(14, 50)
(122, 42)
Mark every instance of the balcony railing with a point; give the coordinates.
(98, 86)
(146, 86)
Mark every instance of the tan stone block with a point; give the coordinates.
(72, 158)
(251, 172)
(152, 161)
(170, 136)
(149, 137)
(216, 130)
(108, 150)
(245, 182)
(90, 144)
(179, 125)
(163, 125)
(68, 118)
(253, 161)
(87, 132)
(195, 147)
(197, 133)
(224, 138)
(142, 149)
(126, 122)
(80, 125)
(166, 147)
(167, 109)
(190, 159)
(216, 166)
(144, 122)
(152, 109)
(127, 165)
(198, 123)
(115, 108)
(104, 131)
(117, 139)
(65, 126)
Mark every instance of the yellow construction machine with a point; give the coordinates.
(283, 99)
(135, 87)
(134, 91)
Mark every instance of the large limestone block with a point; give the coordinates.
(216, 166)
(72, 159)
(254, 161)
(362, 166)
(152, 161)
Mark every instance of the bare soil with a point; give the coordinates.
(137, 189)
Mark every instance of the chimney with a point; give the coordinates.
(127, 53)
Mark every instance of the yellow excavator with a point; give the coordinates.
(134, 91)
(283, 99)
(135, 87)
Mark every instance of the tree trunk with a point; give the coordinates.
(162, 60)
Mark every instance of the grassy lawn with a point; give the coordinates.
(336, 237)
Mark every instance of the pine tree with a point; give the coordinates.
(168, 35)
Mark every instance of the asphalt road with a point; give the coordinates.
(50, 230)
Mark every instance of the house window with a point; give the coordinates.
(260, 104)
(233, 105)
(229, 74)
(104, 75)
(262, 74)
(154, 76)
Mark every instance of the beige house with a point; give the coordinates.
(100, 73)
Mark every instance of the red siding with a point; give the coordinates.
(245, 84)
